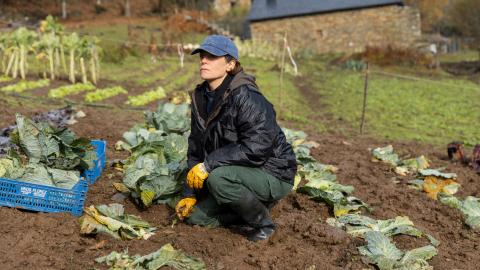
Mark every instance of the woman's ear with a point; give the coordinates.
(231, 65)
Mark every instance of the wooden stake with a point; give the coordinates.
(365, 91)
(282, 71)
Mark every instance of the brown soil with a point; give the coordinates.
(52, 241)
(462, 68)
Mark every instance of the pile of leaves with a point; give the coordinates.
(321, 181)
(158, 162)
(402, 166)
(379, 249)
(112, 220)
(46, 155)
(58, 118)
(435, 182)
(358, 225)
(165, 256)
(383, 253)
(470, 208)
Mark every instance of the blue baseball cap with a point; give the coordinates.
(219, 46)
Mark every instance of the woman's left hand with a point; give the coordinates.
(196, 176)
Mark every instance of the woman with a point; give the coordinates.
(239, 160)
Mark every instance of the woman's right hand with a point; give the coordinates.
(184, 207)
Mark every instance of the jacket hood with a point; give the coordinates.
(242, 78)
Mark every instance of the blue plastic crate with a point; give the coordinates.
(93, 174)
(43, 198)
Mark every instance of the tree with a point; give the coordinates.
(432, 12)
(465, 16)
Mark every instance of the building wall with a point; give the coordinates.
(345, 31)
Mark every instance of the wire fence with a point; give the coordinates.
(406, 107)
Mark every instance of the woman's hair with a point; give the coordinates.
(238, 67)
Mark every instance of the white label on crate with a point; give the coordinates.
(25, 190)
(39, 193)
(35, 192)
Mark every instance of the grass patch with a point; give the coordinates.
(130, 69)
(169, 67)
(467, 55)
(434, 112)
(289, 105)
(189, 71)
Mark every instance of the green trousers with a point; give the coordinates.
(227, 184)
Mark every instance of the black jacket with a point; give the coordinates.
(240, 130)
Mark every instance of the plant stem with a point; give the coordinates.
(15, 64)
(10, 63)
(84, 73)
(72, 66)
(22, 61)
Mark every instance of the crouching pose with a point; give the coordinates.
(239, 160)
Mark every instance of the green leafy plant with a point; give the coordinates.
(25, 85)
(101, 94)
(358, 225)
(147, 97)
(157, 165)
(470, 207)
(67, 90)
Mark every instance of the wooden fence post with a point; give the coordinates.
(365, 91)
(282, 71)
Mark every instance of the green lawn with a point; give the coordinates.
(467, 55)
(435, 111)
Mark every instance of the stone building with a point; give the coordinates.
(335, 26)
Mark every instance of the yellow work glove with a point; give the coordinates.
(196, 176)
(184, 207)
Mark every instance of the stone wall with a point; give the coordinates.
(345, 31)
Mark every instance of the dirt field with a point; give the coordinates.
(303, 240)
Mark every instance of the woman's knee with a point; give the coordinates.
(217, 177)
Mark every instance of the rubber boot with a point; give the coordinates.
(254, 212)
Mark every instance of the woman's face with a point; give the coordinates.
(214, 67)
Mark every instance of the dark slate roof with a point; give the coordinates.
(274, 9)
